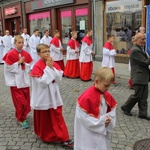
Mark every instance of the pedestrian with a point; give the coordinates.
(33, 42)
(129, 51)
(72, 68)
(95, 114)
(46, 39)
(26, 40)
(140, 78)
(57, 50)
(16, 72)
(109, 54)
(7, 42)
(86, 57)
(46, 100)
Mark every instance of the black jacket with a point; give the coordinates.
(139, 65)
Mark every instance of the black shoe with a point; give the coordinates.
(125, 111)
(145, 117)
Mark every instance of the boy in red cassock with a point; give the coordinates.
(57, 50)
(72, 68)
(46, 100)
(17, 63)
(95, 114)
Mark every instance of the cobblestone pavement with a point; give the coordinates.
(127, 130)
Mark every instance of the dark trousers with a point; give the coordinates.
(140, 96)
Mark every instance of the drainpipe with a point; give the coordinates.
(94, 27)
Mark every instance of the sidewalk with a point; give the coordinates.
(127, 131)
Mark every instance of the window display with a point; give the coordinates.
(40, 21)
(123, 18)
(81, 22)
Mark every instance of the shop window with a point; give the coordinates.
(66, 18)
(128, 22)
(40, 21)
(81, 22)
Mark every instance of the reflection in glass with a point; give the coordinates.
(123, 18)
(81, 22)
(40, 21)
(0, 27)
(66, 27)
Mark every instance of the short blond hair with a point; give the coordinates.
(104, 74)
(40, 47)
(73, 32)
(17, 37)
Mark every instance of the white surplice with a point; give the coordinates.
(15, 76)
(46, 40)
(71, 53)
(45, 90)
(108, 58)
(91, 133)
(56, 54)
(26, 38)
(12, 42)
(7, 43)
(33, 42)
(85, 53)
(1, 50)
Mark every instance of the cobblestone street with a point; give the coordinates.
(127, 131)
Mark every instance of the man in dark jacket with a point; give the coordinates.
(140, 78)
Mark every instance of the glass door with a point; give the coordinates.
(40, 21)
(81, 22)
(66, 26)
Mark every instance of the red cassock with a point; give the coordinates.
(55, 41)
(86, 70)
(90, 101)
(20, 96)
(49, 124)
(109, 46)
(72, 68)
(86, 67)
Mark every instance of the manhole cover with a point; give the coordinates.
(143, 144)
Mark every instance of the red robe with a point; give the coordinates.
(72, 68)
(90, 101)
(20, 96)
(49, 124)
(55, 41)
(109, 46)
(86, 67)
(87, 40)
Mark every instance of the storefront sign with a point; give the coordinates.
(123, 7)
(10, 11)
(49, 3)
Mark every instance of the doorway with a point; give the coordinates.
(13, 25)
(75, 18)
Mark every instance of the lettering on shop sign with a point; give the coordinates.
(118, 7)
(10, 11)
(49, 3)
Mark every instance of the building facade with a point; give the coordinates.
(118, 17)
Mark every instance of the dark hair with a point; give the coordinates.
(56, 31)
(35, 30)
(88, 30)
(109, 36)
(45, 31)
